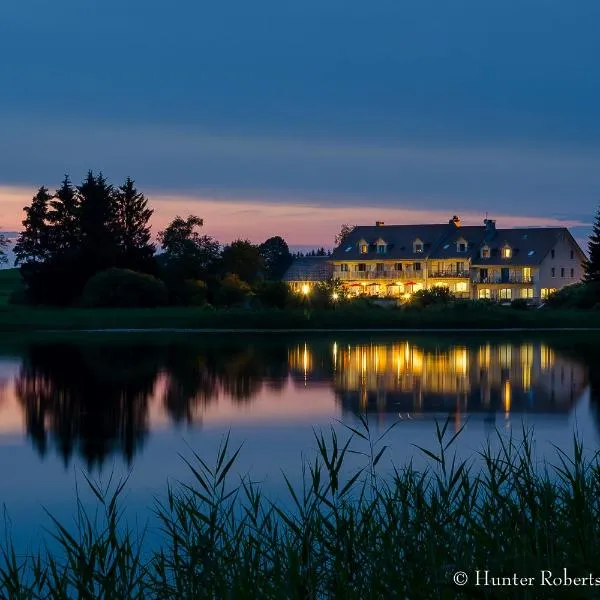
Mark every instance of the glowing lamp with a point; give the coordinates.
(335, 295)
(305, 289)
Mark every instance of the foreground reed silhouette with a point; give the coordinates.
(375, 532)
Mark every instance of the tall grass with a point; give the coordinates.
(375, 532)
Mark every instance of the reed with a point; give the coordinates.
(379, 531)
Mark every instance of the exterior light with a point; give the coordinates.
(335, 295)
(305, 289)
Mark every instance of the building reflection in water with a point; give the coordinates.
(405, 377)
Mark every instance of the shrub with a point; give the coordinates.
(272, 294)
(232, 291)
(578, 295)
(190, 292)
(519, 304)
(122, 288)
(435, 295)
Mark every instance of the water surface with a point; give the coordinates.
(132, 404)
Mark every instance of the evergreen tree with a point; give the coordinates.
(243, 259)
(64, 218)
(133, 230)
(33, 244)
(3, 246)
(592, 264)
(98, 224)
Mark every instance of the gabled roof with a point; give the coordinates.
(309, 268)
(529, 245)
(399, 240)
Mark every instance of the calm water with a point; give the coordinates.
(133, 404)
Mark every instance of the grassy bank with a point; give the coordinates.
(23, 319)
(18, 319)
(350, 535)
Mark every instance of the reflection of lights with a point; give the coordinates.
(306, 289)
(485, 356)
(335, 353)
(506, 393)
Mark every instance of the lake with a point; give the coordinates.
(133, 404)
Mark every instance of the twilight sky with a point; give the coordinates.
(280, 117)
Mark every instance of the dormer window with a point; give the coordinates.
(381, 246)
(506, 252)
(363, 247)
(485, 252)
(417, 245)
(461, 245)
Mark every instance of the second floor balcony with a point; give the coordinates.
(391, 275)
(449, 274)
(513, 278)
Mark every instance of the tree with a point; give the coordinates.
(3, 246)
(343, 234)
(276, 257)
(132, 225)
(243, 259)
(592, 264)
(63, 217)
(33, 243)
(187, 254)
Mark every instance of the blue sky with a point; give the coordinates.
(464, 106)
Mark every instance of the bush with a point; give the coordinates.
(273, 294)
(578, 295)
(435, 295)
(519, 304)
(191, 292)
(122, 288)
(232, 291)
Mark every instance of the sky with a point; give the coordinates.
(290, 118)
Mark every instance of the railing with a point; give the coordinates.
(363, 275)
(447, 274)
(500, 279)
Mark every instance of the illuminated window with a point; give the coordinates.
(485, 294)
(364, 248)
(506, 252)
(545, 292)
(526, 274)
(505, 294)
(527, 293)
(461, 286)
(485, 252)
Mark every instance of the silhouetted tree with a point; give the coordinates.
(3, 246)
(592, 264)
(64, 218)
(343, 234)
(133, 228)
(33, 243)
(187, 254)
(243, 259)
(276, 257)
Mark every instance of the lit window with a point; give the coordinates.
(485, 252)
(461, 286)
(505, 294)
(485, 294)
(364, 248)
(527, 293)
(547, 292)
(506, 252)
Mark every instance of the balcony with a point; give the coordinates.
(369, 275)
(500, 279)
(449, 274)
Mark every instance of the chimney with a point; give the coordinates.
(490, 225)
(455, 221)
(379, 223)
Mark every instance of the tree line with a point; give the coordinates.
(91, 244)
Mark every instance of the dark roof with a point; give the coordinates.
(447, 248)
(399, 240)
(309, 268)
(529, 245)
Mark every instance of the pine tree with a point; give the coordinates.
(592, 264)
(3, 246)
(33, 244)
(132, 217)
(64, 217)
